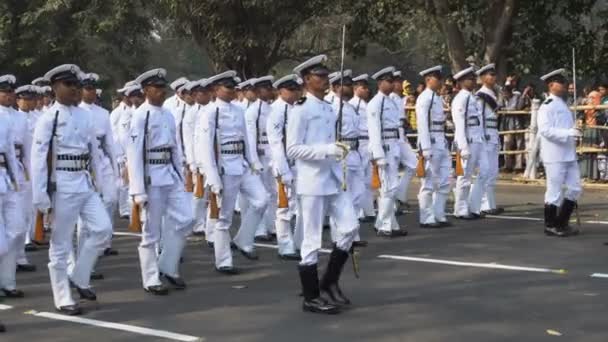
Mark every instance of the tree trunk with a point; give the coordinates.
(452, 33)
(498, 32)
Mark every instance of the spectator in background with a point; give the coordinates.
(591, 138)
(419, 89)
(511, 99)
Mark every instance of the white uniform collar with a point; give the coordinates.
(488, 91)
(309, 95)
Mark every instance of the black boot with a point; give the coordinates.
(329, 284)
(563, 218)
(550, 215)
(2, 328)
(313, 302)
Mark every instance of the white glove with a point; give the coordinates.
(287, 178)
(141, 199)
(44, 205)
(257, 167)
(465, 154)
(427, 154)
(193, 168)
(334, 150)
(382, 163)
(575, 132)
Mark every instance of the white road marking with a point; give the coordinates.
(505, 217)
(474, 264)
(599, 275)
(596, 222)
(126, 234)
(118, 326)
(5, 307)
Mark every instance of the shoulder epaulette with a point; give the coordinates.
(301, 100)
(327, 102)
(547, 101)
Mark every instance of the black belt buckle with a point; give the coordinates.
(432, 140)
(386, 148)
(487, 136)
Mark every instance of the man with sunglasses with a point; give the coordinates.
(100, 118)
(68, 189)
(487, 101)
(433, 146)
(385, 145)
(558, 133)
(283, 168)
(230, 168)
(156, 183)
(471, 143)
(256, 118)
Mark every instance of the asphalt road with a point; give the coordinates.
(394, 300)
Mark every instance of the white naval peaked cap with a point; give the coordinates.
(333, 74)
(46, 89)
(131, 89)
(40, 81)
(397, 73)
(337, 77)
(63, 72)
(154, 76)
(28, 88)
(8, 80)
(190, 85)
(204, 82)
(383, 72)
(437, 68)
(313, 65)
(361, 78)
(98, 92)
(90, 77)
(260, 81)
(287, 81)
(237, 79)
(178, 83)
(486, 68)
(230, 74)
(464, 72)
(244, 84)
(559, 72)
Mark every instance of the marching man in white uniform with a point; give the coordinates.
(100, 119)
(359, 101)
(227, 159)
(435, 185)
(14, 185)
(487, 102)
(174, 103)
(283, 169)
(387, 150)
(256, 118)
(68, 188)
(311, 142)
(470, 141)
(156, 183)
(556, 126)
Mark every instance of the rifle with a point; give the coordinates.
(214, 210)
(282, 191)
(199, 190)
(376, 184)
(459, 170)
(50, 185)
(136, 224)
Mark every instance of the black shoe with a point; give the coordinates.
(13, 293)
(40, 243)
(445, 224)
(2, 328)
(263, 238)
(554, 231)
(229, 270)
(360, 243)
(495, 211)
(431, 225)
(466, 217)
(198, 234)
(30, 247)
(290, 256)
(251, 255)
(367, 219)
(399, 233)
(87, 294)
(329, 284)
(109, 252)
(391, 234)
(319, 305)
(177, 282)
(477, 216)
(157, 290)
(26, 268)
(70, 310)
(96, 275)
(124, 217)
(233, 245)
(210, 244)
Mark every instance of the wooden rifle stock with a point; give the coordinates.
(188, 183)
(459, 170)
(199, 190)
(214, 210)
(420, 172)
(283, 201)
(375, 176)
(39, 228)
(135, 224)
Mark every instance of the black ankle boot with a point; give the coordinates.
(329, 284)
(313, 302)
(563, 218)
(550, 215)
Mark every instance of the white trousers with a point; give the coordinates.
(468, 198)
(124, 202)
(559, 175)
(340, 209)
(12, 228)
(172, 205)
(68, 207)
(489, 199)
(199, 210)
(435, 187)
(389, 182)
(267, 225)
(367, 201)
(29, 213)
(285, 239)
(252, 191)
